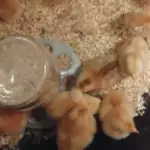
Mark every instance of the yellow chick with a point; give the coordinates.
(67, 100)
(92, 103)
(76, 130)
(60, 105)
(116, 114)
(133, 56)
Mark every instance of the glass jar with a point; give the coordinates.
(27, 68)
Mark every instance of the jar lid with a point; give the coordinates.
(23, 69)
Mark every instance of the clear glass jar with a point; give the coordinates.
(27, 68)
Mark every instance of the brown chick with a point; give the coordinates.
(138, 22)
(133, 56)
(9, 9)
(147, 2)
(66, 101)
(76, 130)
(116, 115)
(94, 78)
(133, 19)
(12, 122)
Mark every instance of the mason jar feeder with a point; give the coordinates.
(28, 67)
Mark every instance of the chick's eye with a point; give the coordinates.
(84, 83)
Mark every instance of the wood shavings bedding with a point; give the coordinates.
(9, 141)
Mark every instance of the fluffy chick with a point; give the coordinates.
(12, 122)
(9, 9)
(60, 105)
(116, 114)
(66, 101)
(132, 19)
(139, 23)
(94, 76)
(76, 130)
(92, 103)
(133, 56)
